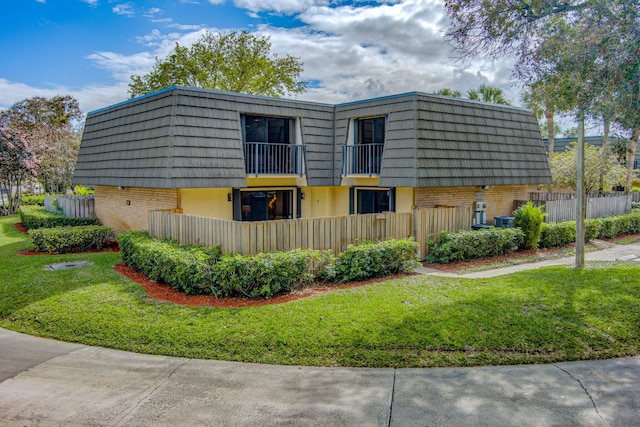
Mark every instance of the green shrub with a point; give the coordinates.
(186, 268)
(614, 226)
(557, 234)
(265, 275)
(37, 217)
(82, 190)
(71, 239)
(592, 229)
(376, 259)
(529, 219)
(196, 270)
(33, 200)
(467, 245)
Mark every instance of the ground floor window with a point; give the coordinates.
(368, 200)
(266, 205)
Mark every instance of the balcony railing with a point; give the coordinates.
(363, 159)
(262, 158)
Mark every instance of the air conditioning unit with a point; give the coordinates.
(481, 206)
(503, 221)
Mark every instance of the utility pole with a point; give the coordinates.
(581, 199)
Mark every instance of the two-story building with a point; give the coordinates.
(250, 158)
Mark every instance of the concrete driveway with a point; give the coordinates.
(51, 383)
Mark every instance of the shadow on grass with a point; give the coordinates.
(549, 315)
(25, 280)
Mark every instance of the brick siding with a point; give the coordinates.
(499, 198)
(111, 206)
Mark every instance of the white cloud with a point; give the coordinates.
(278, 6)
(91, 2)
(125, 9)
(350, 53)
(214, 2)
(361, 52)
(153, 13)
(90, 97)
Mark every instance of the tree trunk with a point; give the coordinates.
(631, 154)
(551, 132)
(605, 151)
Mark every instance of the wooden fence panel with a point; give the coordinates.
(71, 205)
(332, 233)
(565, 210)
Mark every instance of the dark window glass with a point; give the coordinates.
(267, 129)
(371, 131)
(372, 201)
(266, 205)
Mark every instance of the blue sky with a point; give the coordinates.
(351, 49)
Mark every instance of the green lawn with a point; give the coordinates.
(546, 315)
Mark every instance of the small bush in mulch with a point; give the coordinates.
(37, 217)
(72, 239)
(468, 245)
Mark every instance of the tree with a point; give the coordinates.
(597, 166)
(448, 92)
(488, 94)
(50, 125)
(236, 62)
(17, 164)
(594, 45)
(485, 93)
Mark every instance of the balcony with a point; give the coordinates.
(261, 158)
(363, 159)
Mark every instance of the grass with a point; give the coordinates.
(548, 315)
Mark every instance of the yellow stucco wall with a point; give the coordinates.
(405, 199)
(209, 202)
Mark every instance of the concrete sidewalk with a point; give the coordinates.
(50, 383)
(614, 253)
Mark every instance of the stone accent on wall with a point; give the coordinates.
(127, 209)
(499, 199)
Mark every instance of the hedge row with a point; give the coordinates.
(467, 245)
(32, 200)
(196, 270)
(34, 217)
(71, 239)
(376, 259)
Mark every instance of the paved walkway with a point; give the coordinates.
(51, 383)
(614, 253)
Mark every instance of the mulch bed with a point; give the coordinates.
(453, 267)
(165, 292)
(20, 227)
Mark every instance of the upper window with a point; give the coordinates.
(274, 130)
(370, 131)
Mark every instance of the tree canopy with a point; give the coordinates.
(17, 164)
(49, 125)
(485, 93)
(601, 169)
(236, 62)
(586, 52)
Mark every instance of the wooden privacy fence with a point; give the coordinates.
(565, 210)
(71, 205)
(332, 233)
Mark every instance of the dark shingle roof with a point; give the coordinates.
(190, 138)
